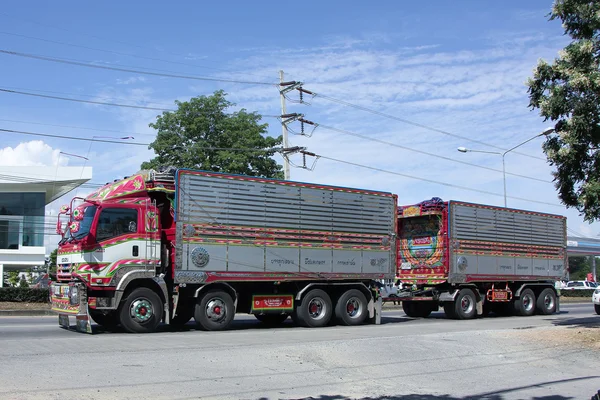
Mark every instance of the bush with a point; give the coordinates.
(20, 294)
(577, 293)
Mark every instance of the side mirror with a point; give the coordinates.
(132, 226)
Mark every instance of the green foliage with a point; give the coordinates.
(13, 278)
(568, 93)
(29, 295)
(587, 293)
(579, 267)
(52, 262)
(187, 138)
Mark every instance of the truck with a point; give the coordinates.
(176, 244)
(473, 259)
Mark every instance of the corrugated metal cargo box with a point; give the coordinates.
(493, 243)
(234, 224)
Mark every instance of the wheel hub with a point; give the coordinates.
(316, 308)
(353, 307)
(215, 310)
(141, 310)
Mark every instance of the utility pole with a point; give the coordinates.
(284, 131)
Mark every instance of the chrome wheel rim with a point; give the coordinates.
(466, 304)
(317, 308)
(216, 310)
(353, 307)
(141, 310)
(549, 301)
(527, 302)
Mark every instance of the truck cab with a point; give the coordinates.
(111, 237)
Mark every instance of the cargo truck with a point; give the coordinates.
(472, 259)
(172, 245)
(181, 244)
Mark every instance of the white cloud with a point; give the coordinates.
(33, 153)
(132, 80)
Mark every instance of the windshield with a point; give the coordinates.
(86, 223)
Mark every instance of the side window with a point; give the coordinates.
(115, 222)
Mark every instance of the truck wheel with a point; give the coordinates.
(184, 314)
(597, 308)
(109, 320)
(417, 309)
(271, 319)
(214, 311)
(546, 302)
(141, 312)
(465, 304)
(450, 310)
(315, 310)
(525, 305)
(351, 308)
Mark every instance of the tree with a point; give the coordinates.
(568, 92)
(579, 267)
(52, 262)
(200, 134)
(13, 278)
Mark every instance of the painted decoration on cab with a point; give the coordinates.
(151, 222)
(64, 209)
(78, 213)
(421, 244)
(74, 226)
(122, 188)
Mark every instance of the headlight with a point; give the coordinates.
(74, 296)
(597, 291)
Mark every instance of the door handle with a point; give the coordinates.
(135, 251)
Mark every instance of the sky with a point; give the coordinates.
(443, 74)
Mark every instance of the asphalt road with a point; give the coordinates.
(403, 358)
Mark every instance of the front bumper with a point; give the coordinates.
(596, 298)
(70, 300)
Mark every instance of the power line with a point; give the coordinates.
(385, 115)
(427, 153)
(77, 94)
(135, 71)
(79, 127)
(100, 103)
(122, 54)
(153, 49)
(266, 151)
(434, 181)
(84, 101)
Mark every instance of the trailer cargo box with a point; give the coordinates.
(251, 228)
(500, 244)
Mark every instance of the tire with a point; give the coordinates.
(184, 314)
(141, 311)
(546, 302)
(271, 319)
(450, 311)
(109, 320)
(597, 308)
(465, 304)
(315, 310)
(417, 309)
(525, 304)
(351, 308)
(214, 311)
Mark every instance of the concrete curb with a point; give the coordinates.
(25, 313)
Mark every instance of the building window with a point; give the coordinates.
(29, 207)
(11, 231)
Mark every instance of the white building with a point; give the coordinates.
(24, 194)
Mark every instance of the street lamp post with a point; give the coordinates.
(546, 132)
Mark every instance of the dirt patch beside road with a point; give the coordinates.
(561, 336)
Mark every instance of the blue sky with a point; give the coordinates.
(460, 67)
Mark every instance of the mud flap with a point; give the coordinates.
(479, 307)
(82, 322)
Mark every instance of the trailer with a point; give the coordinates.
(473, 259)
(168, 246)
